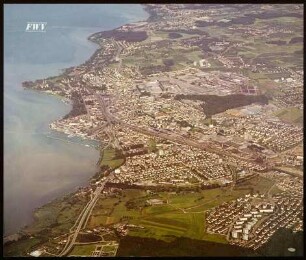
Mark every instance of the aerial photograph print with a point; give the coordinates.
(153, 129)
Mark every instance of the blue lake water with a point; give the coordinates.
(37, 168)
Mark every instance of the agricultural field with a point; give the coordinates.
(182, 214)
(106, 248)
(111, 209)
(156, 57)
(80, 250)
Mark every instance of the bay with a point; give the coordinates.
(37, 168)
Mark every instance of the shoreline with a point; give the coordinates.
(174, 160)
(20, 233)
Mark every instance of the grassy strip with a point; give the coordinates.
(161, 225)
(84, 250)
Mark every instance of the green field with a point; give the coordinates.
(291, 115)
(182, 214)
(111, 158)
(170, 223)
(109, 249)
(114, 208)
(97, 220)
(84, 250)
(155, 57)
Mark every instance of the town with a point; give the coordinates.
(178, 107)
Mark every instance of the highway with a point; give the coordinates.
(81, 221)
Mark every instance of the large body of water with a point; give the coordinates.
(37, 168)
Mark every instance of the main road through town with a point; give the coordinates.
(165, 134)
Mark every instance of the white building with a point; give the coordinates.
(36, 253)
(234, 234)
(245, 237)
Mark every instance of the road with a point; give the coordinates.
(117, 57)
(164, 134)
(179, 139)
(104, 108)
(82, 220)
